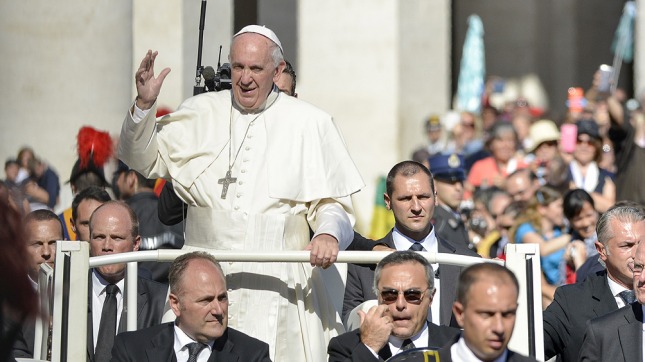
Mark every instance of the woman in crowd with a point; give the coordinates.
(584, 172)
(580, 210)
(541, 223)
(504, 159)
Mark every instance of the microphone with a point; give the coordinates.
(209, 78)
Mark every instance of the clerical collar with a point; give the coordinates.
(268, 102)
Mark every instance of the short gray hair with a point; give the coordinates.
(402, 257)
(625, 213)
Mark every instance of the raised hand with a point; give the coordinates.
(148, 86)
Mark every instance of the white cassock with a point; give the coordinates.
(292, 170)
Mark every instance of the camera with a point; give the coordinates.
(216, 81)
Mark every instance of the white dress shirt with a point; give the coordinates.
(181, 351)
(98, 297)
(616, 289)
(429, 244)
(460, 352)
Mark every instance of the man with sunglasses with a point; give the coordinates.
(410, 194)
(404, 283)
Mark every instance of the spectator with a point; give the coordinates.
(584, 172)
(541, 224)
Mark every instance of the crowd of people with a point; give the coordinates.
(507, 176)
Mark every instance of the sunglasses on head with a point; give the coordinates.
(390, 296)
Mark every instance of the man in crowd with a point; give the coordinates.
(404, 283)
(199, 299)
(449, 176)
(138, 193)
(225, 153)
(83, 206)
(485, 308)
(286, 83)
(411, 196)
(522, 184)
(619, 230)
(114, 228)
(618, 336)
(43, 229)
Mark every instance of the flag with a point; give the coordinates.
(470, 85)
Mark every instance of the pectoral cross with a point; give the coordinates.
(226, 181)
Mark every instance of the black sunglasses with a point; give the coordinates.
(390, 296)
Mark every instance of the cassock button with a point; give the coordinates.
(247, 148)
(243, 171)
(236, 207)
(241, 182)
(249, 136)
(238, 195)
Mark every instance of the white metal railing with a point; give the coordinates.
(73, 264)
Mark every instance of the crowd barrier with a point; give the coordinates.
(69, 303)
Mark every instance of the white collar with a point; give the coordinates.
(182, 339)
(403, 242)
(99, 284)
(420, 340)
(460, 352)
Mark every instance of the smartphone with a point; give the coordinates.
(606, 74)
(568, 137)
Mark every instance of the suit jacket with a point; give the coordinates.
(348, 346)
(617, 336)
(565, 319)
(360, 280)
(449, 227)
(151, 302)
(445, 356)
(156, 344)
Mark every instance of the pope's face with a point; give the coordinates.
(253, 70)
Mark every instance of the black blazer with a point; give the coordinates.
(617, 336)
(565, 319)
(360, 280)
(151, 302)
(348, 346)
(156, 344)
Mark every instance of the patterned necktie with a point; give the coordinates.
(107, 327)
(407, 344)
(416, 247)
(193, 350)
(628, 296)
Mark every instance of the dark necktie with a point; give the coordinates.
(193, 350)
(416, 247)
(107, 327)
(628, 296)
(407, 344)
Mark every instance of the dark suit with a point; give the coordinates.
(360, 279)
(449, 227)
(156, 344)
(565, 319)
(151, 300)
(617, 336)
(348, 346)
(445, 356)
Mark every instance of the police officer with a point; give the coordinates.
(449, 175)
